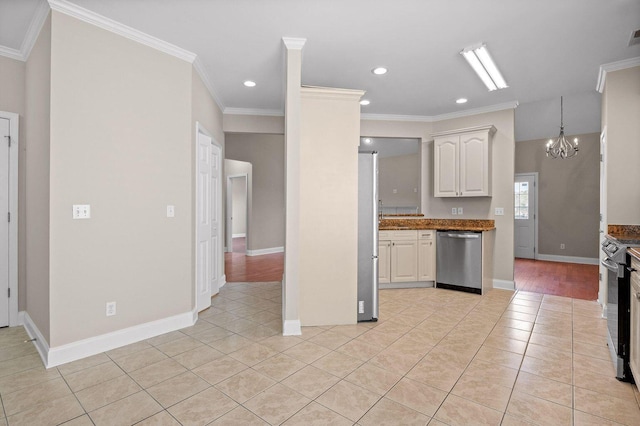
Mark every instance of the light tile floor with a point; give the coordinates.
(435, 357)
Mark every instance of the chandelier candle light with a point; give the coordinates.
(561, 147)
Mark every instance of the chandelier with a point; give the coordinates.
(561, 147)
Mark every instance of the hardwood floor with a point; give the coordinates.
(242, 268)
(557, 278)
(537, 276)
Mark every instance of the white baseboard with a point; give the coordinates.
(568, 259)
(32, 330)
(238, 235)
(269, 250)
(223, 281)
(291, 328)
(504, 284)
(94, 345)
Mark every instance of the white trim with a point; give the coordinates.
(254, 111)
(199, 67)
(614, 66)
(291, 328)
(34, 29)
(238, 235)
(294, 43)
(330, 93)
(108, 24)
(269, 250)
(11, 53)
(441, 117)
(115, 339)
(488, 127)
(14, 133)
(229, 199)
(569, 259)
(223, 280)
(504, 284)
(40, 342)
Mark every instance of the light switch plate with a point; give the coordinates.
(171, 211)
(454, 210)
(499, 211)
(460, 210)
(81, 211)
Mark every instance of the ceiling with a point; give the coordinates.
(544, 48)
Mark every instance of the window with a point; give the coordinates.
(521, 190)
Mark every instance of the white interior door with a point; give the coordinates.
(525, 215)
(4, 223)
(204, 250)
(216, 218)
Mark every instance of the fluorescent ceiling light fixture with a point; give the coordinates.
(481, 62)
(250, 83)
(365, 102)
(379, 70)
(461, 101)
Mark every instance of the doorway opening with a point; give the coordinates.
(238, 213)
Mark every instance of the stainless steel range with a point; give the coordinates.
(618, 264)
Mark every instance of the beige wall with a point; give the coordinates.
(266, 153)
(328, 233)
(621, 109)
(568, 196)
(12, 99)
(121, 141)
(234, 123)
(502, 192)
(402, 174)
(37, 188)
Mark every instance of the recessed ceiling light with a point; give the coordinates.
(250, 83)
(379, 70)
(365, 102)
(461, 101)
(367, 141)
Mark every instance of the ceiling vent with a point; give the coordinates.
(635, 38)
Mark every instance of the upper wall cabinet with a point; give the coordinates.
(462, 162)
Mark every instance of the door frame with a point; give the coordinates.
(14, 133)
(602, 271)
(229, 224)
(535, 213)
(200, 129)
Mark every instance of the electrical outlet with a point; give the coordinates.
(499, 211)
(171, 211)
(454, 210)
(111, 309)
(395, 191)
(361, 306)
(81, 211)
(460, 210)
(562, 246)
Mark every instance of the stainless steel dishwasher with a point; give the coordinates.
(459, 260)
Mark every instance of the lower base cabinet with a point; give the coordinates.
(406, 256)
(634, 352)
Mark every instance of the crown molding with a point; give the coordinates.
(330, 93)
(30, 37)
(441, 117)
(34, 29)
(614, 66)
(108, 24)
(294, 43)
(199, 67)
(12, 53)
(254, 111)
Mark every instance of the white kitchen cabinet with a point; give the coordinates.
(462, 162)
(634, 353)
(384, 258)
(426, 255)
(406, 257)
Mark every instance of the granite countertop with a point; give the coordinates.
(625, 234)
(440, 224)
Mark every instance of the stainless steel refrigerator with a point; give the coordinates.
(367, 236)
